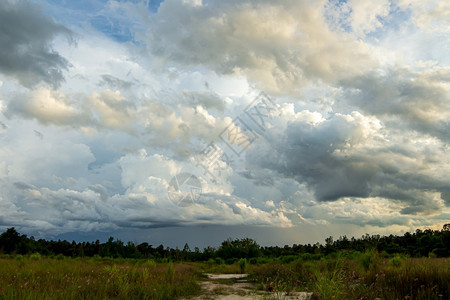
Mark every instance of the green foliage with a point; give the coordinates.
(19, 257)
(288, 258)
(253, 261)
(309, 256)
(230, 261)
(97, 257)
(396, 261)
(427, 243)
(170, 275)
(243, 248)
(149, 264)
(370, 260)
(219, 260)
(366, 268)
(90, 279)
(263, 260)
(10, 240)
(384, 254)
(276, 278)
(333, 277)
(343, 278)
(220, 268)
(242, 264)
(35, 256)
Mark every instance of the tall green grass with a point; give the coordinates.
(44, 278)
(366, 276)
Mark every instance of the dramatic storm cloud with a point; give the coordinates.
(191, 120)
(26, 41)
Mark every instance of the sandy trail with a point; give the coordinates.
(236, 287)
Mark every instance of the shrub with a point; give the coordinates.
(97, 257)
(18, 257)
(149, 264)
(370, 260)
(242, 264)
(230, 261)
(288, 258)
(35, 256)
(309, 256)
(384, 254)
(170, 275)
(262, 260)
(355, 255)
(60, 256)
(219, 261)
(396, 261)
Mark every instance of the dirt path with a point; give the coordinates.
(236, 287)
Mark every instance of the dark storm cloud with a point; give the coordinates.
(25, 38)
(308, 155)
(446, 197)
(327, 157)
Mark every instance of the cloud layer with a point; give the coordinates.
(98, 113)
(26, 39)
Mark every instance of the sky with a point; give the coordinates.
(198, 120)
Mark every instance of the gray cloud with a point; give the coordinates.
(26, 35)
(101, 190)
(405, 99)
(207, 100)
(92, 209)
(279, 45)
(361, 138)
(114, 82)
(339, 158)
(105, 110)
(24, 186)
(307, 155)
(445, 195)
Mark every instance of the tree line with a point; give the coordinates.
(420, 243)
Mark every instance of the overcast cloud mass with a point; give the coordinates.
(322, 117)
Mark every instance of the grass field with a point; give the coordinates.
(85, 278)
(366, 276)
